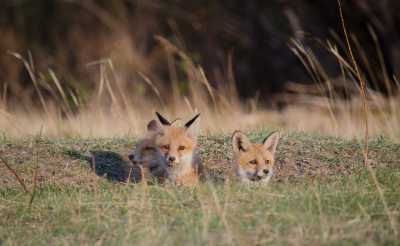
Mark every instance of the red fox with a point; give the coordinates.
(253, 161)
(148, 162)
(179, 147)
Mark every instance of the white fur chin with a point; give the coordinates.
(268, 178)
(181, 168)
(244, 178)
(242, 175)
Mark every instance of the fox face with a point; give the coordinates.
(177, 145)
(254, 161)
(148, 161)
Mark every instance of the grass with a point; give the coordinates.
(114, 106)
(322, 194)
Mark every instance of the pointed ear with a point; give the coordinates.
(153, 126)
(190, 122)
(240, 142)
(162, 120)
(271, 142)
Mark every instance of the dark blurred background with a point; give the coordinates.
(245, 41)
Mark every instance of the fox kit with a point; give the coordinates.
(179, 148)
(254, 162)
(148, 162)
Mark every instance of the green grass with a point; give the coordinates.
(321, 195)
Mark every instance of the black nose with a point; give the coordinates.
(131, 157)
(266, 171)
(171, 159)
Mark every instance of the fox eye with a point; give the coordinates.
(253, 162)
(165, 146)
(181, 147)
(267, 161)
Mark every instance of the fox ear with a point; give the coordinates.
(162, 119)
(271, 142)
(191, 127)
(190, 122)
(153, 126)
(240, 142)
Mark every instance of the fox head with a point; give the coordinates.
(148, 161)
(176, 143)
(254, 161)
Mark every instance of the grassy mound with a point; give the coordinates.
(322, 194)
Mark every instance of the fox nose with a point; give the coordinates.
(266, 171)
(171, 159)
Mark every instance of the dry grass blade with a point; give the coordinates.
(194, 72)
(208, 86)
(381, 60)
(19, 179)
(117, 82)
(35, 173)
(128, 180)
(58, 85)
(60, 89)
(29, 66)
(317, 72)
(152, 86)
(364, 105)
(362, 83)
(108, 84)
(189, 105)
(33, 193)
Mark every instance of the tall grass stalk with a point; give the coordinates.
(29, 66)
(365, 110)
(362, 84)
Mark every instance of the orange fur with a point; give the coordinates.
(254, 161)
(179, 147)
